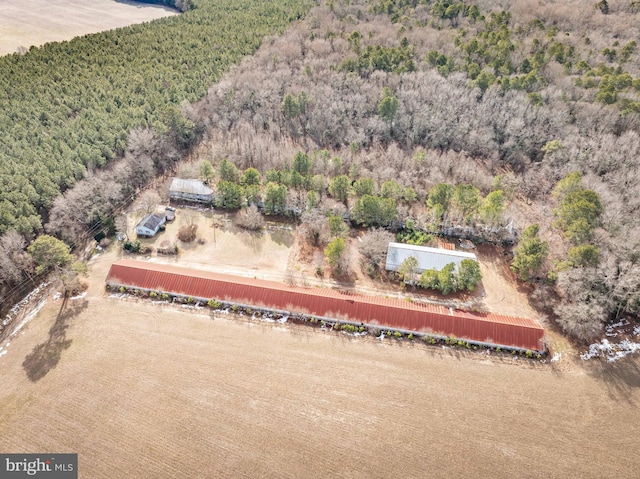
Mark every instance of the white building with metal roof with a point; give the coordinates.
(428, 258)
(190, 190)
(150, 225)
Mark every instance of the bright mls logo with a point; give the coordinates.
(47, 466)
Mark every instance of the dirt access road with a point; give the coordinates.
(24, 23)
(144, 390)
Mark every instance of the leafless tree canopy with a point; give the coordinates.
(14, 261)
(314, 227)
(373, 248)
(250, 218)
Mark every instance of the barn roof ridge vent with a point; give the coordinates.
(508, 331)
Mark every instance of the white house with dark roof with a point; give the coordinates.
(150, 225)
(190, 190)
(428, 258)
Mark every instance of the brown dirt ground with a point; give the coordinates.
(226, 248)
(144, 390)
(24, 23)
(499, 292)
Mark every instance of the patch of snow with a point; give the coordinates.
(353, 334)
(80, 296)
(118, 295)
(556, 357)
(611, 351)
(283, 319)
(57, 296)
(32, 314)
(636, 331)
(381, 336)
(619, 324)
(19, 306)
(190, 306)
(3, 353)
(612, 330)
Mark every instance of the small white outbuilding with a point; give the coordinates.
(150, 225)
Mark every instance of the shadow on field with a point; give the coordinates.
(141, 3)
(622, 378)
(45, 356)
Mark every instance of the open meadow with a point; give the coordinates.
(150, 390)
(24, 23)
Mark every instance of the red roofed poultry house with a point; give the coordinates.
(322, 303)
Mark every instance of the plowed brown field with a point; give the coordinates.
(33, 22)
(156, 391)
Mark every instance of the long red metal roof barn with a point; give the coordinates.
(390, 312)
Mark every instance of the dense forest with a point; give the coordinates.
(67, 108)
(494, 119)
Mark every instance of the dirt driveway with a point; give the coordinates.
(223, 247)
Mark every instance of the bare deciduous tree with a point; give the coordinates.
(249, 218)
(314, 227)
(149, 201)
(14, 261)
(373, 248)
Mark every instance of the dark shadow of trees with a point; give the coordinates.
(45, 356)
(147, 3)
(621, 378)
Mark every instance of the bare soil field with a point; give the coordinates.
(144, 390)
(24, 23)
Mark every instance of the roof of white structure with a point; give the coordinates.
(151, 222)
(194, 187)
(428, 258)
